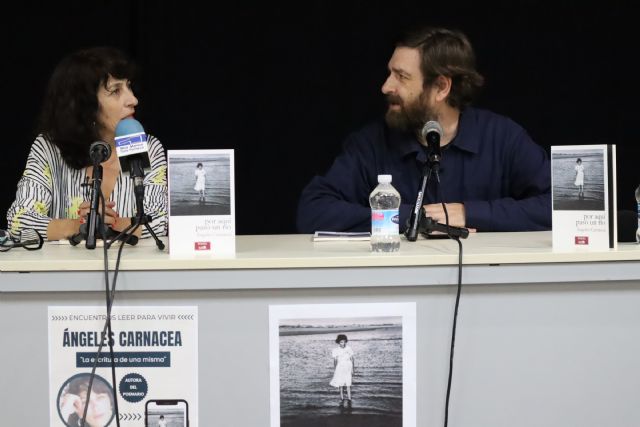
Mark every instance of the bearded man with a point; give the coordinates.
(493, 177)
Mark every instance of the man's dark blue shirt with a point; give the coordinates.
(492, 166)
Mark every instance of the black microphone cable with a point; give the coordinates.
(457, 304)
(110, 296)
(106, 329)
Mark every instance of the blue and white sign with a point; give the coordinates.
(134, 143)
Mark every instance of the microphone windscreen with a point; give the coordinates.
(100, 151)
(128, 126)
(131, 145)
(431, 126)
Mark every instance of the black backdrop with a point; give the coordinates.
(283, 85)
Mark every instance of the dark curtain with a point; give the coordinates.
(284, 84)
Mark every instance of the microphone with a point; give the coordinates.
(133, 153)
(99, 152)
(432, 133)
(132, 148)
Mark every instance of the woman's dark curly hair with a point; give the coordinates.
(70, 108)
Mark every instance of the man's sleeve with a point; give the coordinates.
(528, 204)
(338, 201)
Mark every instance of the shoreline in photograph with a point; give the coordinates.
(345, 420)
(209, 209)
(284, 332)
(578, 205)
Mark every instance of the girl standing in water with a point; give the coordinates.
(344, 365)
(200, 179)
(579, 182)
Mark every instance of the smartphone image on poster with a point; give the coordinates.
(166, 413)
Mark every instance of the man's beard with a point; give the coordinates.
(410, 117)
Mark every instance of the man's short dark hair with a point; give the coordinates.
(446, 53)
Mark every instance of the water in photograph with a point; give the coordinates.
(187, 201)
(172, 418)
(565, 192)
(306, 368)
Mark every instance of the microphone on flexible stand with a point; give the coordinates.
(93, 229)
(132, 149)
(431, 133)
(99, 152)
(133, 153)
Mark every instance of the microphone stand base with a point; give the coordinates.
(428, 226)
(143, 220)
(111, 236)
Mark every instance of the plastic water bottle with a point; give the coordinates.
(385, 216)
(638, 206)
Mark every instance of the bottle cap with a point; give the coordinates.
(384, 179)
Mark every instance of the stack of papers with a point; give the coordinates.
(332, 236)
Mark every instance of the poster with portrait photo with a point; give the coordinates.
(583, 179)
(343, 364)
(201, 202)
(155, 354)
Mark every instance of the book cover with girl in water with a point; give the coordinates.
(201, 202)
(583, 179)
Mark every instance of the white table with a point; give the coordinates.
(544, 338)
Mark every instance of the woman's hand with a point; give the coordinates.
(110, 214)
(69, 404)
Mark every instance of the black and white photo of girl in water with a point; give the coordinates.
(321, 380)
(199, 183)
(578, 179)
(351, 365)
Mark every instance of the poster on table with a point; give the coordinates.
(583, 179)
(343, 364)
(155, 356)
(201, 203)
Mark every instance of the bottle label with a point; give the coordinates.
(638, 229)
(384, 222)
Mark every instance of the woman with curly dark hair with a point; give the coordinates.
(88, 94)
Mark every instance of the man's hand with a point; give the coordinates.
(455, 210)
